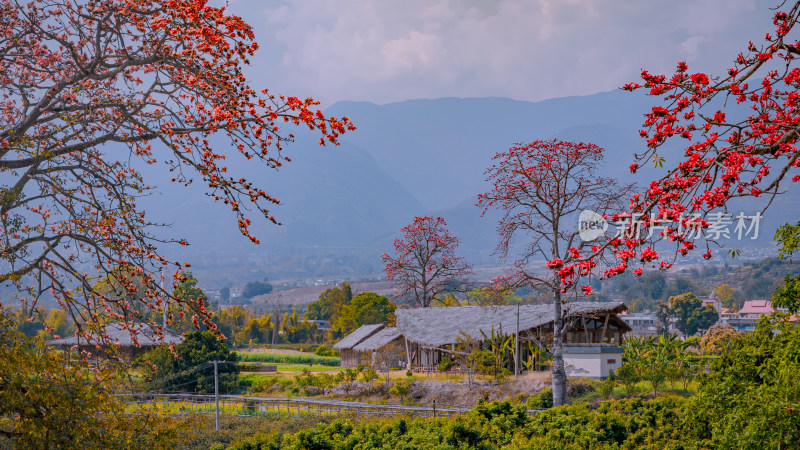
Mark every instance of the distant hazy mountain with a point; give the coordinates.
(332, 197)
(439, 149)
(409, 158)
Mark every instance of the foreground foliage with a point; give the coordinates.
(751, 397)
(234, 428)
(658, 360)
(50, 399)
(628, 423)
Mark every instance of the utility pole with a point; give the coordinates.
(516, 344)
(216, 391)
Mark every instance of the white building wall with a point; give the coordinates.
(582, 365)
(610, 361)
(591, 362)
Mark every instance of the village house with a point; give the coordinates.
(746, 318)
(643, 324)
(646, 324)
(592, 344)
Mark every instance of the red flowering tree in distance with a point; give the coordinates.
(541, 188)
(425, 265)
(155, 79)
(740, 131)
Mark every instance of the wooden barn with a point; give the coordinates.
(383, 350)
(348, 356)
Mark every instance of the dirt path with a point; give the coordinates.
(457, 393)
(461, 394)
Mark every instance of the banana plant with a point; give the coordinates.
(499, 344)
(535, 352)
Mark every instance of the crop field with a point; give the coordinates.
(296, 359)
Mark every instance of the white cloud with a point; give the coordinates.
(385, 51)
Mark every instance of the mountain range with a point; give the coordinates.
(411, 158)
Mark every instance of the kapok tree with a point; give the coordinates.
(541, 187)
(88, 90)
(740, 131)
(424, 265)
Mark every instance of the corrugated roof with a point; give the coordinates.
(440, 326)
(117, 335)
(378, 339)
(354, 338)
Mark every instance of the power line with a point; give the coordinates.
(184, 373)
(164, 382)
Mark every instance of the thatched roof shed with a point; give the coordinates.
(436, 327)
(378, 340)
(357, 336)
(117, 335)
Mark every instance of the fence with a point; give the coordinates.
(296, 407)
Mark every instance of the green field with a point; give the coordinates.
(297, 359)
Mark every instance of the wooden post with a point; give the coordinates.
(605, 327)
(585, 328)
(408, 355)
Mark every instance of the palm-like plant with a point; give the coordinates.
(500, 345)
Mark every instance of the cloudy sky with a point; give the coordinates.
(388, 50)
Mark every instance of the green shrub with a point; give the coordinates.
(324, 350)
(369, 374)
(445, 364)
(271, 383)
(400, 389)
(606, 388)
(320, 380)
(625, 424)
(748, 400)
(627, 375)
(542, 400)
(582, 386)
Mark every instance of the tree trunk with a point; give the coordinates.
(276, 327)
(559, 372)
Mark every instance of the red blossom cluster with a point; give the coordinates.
(729, 153)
